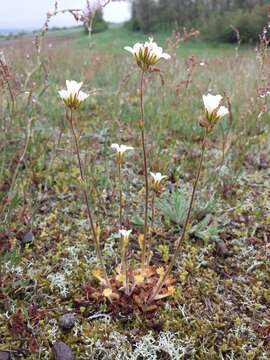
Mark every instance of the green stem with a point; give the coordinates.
(89, 213)
(162, 279)
(145, 172)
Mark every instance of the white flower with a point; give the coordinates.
(222, 111)
(147, 54)
(213, 110)
(125, 236)
(73, 96)
(157, 177)
(121, 149)
(125, 233)
(211, 103)
(73, 88)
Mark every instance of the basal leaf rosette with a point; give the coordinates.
(140, 284)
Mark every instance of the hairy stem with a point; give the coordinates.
(145, 172)
(179, 241)
(89, 213)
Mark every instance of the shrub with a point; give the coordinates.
(98, 25)
(249, 23)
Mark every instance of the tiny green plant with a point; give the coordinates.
(142, 283)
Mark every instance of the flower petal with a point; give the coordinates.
(222, 111)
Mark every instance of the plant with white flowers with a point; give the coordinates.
(156, 186)
(124, 234)
(147, 54)
(73, 96)
(213, 111)
(120, 151)
(131, 283)
(157, 178)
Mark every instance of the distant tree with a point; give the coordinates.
(213, 17)
(249, 22)
(144, 11)
(93, 20)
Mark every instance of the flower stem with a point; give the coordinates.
(163, 278)
(153, 210)
(145, 172)
(149, 255)
(89, 213)
(125, 269)
(120, 195)
(12, 97)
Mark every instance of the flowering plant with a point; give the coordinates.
(73, 96)
(157, 178)
(147, 54)
(120, 151)
(145, 283)
(213, 111)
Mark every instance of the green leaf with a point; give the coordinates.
(137, 221)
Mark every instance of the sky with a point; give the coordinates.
(30, 14)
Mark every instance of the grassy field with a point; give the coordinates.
(219, 308)
(116, 38)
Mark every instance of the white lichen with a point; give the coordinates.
(149, 347)
(59, 282)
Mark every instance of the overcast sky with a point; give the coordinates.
(29, 14)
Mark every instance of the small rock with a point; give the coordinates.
(171, 187)
(222, 250)
(4, 355)
(204, 264)
(28, 238)
(62, 352)
(67, 321)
